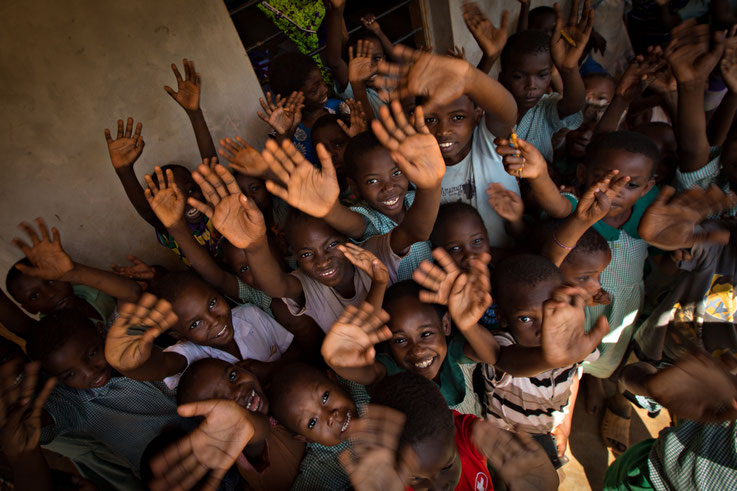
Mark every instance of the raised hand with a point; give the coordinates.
(20, 412)
(366, 262)
(358, 121)
(350, 341)
(564, 339)
(212, 447)
(422, 74)
(670, 221)
(127, 146)
(520, 461)
(728, 64)
(165, 198)
(372, 463)
(567, 52)
(525, 161)
(457, 52)
(465, 293)
(642, 71)
(188, 89)
(490, 39)
(130, 339)
(688, 52)
(596, 202)
(232, 214)
(280, 112)
(48, 259)
(242, 157)
(369, 22)
(414, 149)
(696, 387)
(309, 189)
(360, 67)
(507, 204)
(139, 271)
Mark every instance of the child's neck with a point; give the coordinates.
(451, 161)
(346, 287)
(399, 215)
(232, 348)
(618, 220)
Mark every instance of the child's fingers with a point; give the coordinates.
(350, 53)
(128, 127)
(601, 328)
(390, 124)
(400, 119)
(383, 136)
(328, 168)
(120, 128)
(31, 232)
(108, 137)
(253, 214)
(616, 186)
(280, 156)
(177, 75)
(160, 181)
(208, 211)
(262, 116)
(228, 179)
(170, 91)
(43, 229)
(264, 106)
(344, 126)
(216, 187)
(401, 161)
(277, 190)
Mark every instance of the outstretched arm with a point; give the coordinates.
(188, 97)
(334, 42)
(490, 39)
(721, 121)
(50, 261)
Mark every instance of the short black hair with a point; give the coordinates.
(602, 75)
(283, 381)
(362, 35)
(288, 72)
(428, 414)
(535, 14)
(523, 43)
(590, 242)
(170, 285)
(629, 141)
(452, 211)
(54, 330)
(357, 147)
(523, 269)
(190, 379)
(407, 288)
(14, 274)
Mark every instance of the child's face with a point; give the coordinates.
(315, 244)
(527, 77)
(238, 263)
(377, 54)
(545, 22)
(599, 93)
(464, 237)
(380, 182)
(204, 315)
(438, 465)
(665, 138)
(184, 181)
(231, 382)
(255, 190)
(12, 360)
(522, 314)
(41, 296)
(578, 140)
(453, 125)
(321, 411)
(585, 271)
(418, 336)
(80, 362)
(315, 90)
(335, 141)
(637, 166)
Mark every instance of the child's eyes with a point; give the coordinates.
(524, 318)
(34, 296)
(454, 249)
(431, 120)
(92, 354)
(244, 269)
(212, 303)
(399, 340)
(426, 334)
(232, 376)
(195, 325)
(68, 375)
(632, 185)
(311, 423)
(333, 244)
(325, 397)
(476, 241)
(582, 278)
(372, 181)
(305, 255)
(458, 117)
(255, 189)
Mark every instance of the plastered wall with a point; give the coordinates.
(70, 69)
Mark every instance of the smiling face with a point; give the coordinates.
(527, 78)
(438, 466)
(584, 270)
(41, 296)
(315, 90)
(418, 336)
(184, 181)
(335, 140)
(80, 362)
(318, 409)
(217, 379)
(635, 165)
(380, 183)
(453, 125)
(522, 311)
(204, 315)
(464, 236)
(315, 244)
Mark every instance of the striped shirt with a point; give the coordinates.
(542, 121)
(711, 173)
(250, 295)
(532, 404)
(377, 224)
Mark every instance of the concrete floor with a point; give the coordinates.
(589, 458)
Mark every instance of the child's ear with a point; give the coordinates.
(650, 183)
(445, 321)
(477, 113)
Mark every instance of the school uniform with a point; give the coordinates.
(542, 121)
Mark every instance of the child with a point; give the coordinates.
(204, 325)
(451, 449)
(92, 401)
(490, 39)
(319, 408)
(272, 457)
(541, 401)
(47, 280)
(526, 69)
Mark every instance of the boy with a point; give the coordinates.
(319, 408)
(204, 325)
(92, 399)
(526, 67)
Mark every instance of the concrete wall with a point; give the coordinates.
(70, 69)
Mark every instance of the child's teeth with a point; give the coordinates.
(424, 363)
(346, 422)
(391, 202)
(445, 145)
(221, 331)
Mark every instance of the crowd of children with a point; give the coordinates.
(408, 285)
